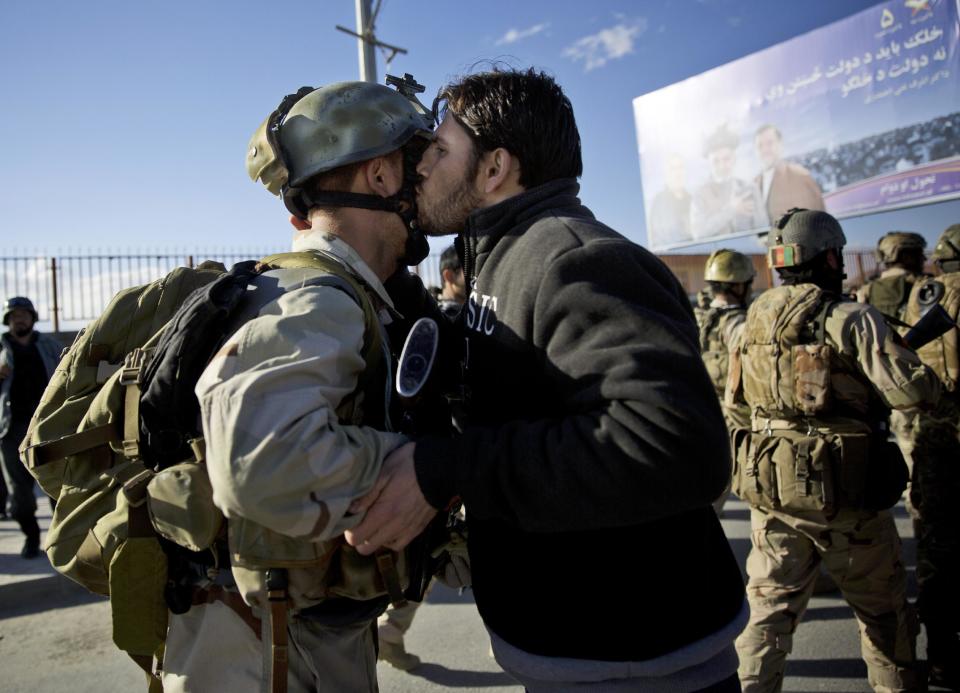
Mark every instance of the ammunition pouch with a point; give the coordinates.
(795, 471)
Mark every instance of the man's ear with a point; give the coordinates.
(384, 174)
(447, 276)
(497, 168)
(299, 224)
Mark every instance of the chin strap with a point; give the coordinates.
(417, 247)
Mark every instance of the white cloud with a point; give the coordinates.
(514, 35)
(614, 42)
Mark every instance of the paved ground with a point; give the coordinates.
(56, 637)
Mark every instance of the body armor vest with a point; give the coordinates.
(940, 354)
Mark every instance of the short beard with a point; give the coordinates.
(449, 215)
(22, 331)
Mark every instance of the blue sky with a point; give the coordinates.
(125, 123)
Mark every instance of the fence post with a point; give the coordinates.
(190, 261)
(53, 286)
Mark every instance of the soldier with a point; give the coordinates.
(27, 361)
(901, 253)
(293, 406)
(820, 375)
(729, 276)
(935, 484)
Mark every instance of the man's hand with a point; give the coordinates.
(4, 371)
(396, 509)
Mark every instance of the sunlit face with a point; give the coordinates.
(769, 147)
(721, 163)
(20, 322)
(447, 192)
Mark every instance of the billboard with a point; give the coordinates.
(859, 116)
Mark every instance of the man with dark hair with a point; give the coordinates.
(27, 362)
(453, 293)
(591, 429)
(782, 184)
(820, 375)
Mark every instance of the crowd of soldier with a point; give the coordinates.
(812, 384)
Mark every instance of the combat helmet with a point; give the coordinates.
(948, 245)
(318, 130)
(728, 266)
(18, 303)
(890, 245)
(800, 235)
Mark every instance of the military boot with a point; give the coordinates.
(395, 654)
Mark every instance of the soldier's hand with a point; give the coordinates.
(396, 511)
(4, 371)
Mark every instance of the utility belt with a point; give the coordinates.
(783, 468)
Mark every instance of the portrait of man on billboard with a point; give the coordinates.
(670, 211)
(725, 204)
(782, 184)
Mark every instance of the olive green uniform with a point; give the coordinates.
(936, 479)
(888, 293)
(720, 324)
(816, 411)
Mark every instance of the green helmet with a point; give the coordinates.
(948, 245)
(728, 266)
(800, 235)
(890, 245)
(317, 130)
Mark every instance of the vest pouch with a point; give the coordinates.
(754, 480)
(180, 501)
(256, 547)
(811, 373)
(886, 477)
(138, 574)
(358, 577)
(805, 472)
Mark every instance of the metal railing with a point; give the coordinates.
(69, 290)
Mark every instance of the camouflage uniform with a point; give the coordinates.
(888, 294)
(936, 477)
(820, 376)
(860, 548)
(297, 360)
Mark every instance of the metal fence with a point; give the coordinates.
(70, 290)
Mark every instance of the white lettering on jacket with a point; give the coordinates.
(482, 313)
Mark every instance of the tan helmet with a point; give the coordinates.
(317, 130)
(948, 245)
(728, 266)
(800, 235)
(890, 245)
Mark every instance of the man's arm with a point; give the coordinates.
(896, 372)
(642, 436)
(277, 453)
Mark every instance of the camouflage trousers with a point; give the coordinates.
(861, 551)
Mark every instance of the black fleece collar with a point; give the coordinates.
(490, 223)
